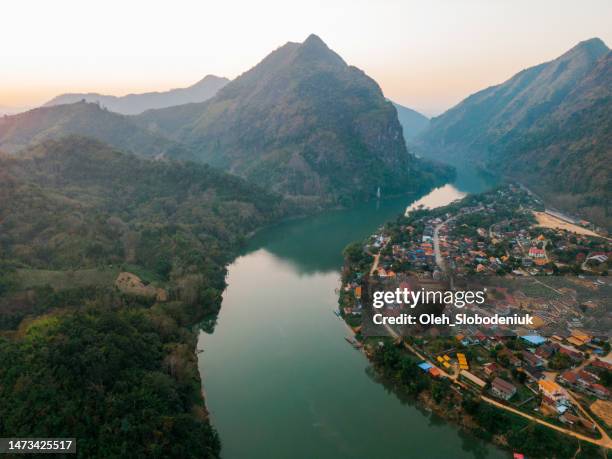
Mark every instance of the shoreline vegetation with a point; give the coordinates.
(396, 362)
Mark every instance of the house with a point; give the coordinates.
(574, 341)
(472, 379)
(571, 353)
(491, 369)
(545, 351)
(585, 378)
(533, 373)
(569, 377)
(600, 391)
(535, 340)
(579, 337)
(480, 336)
(503, 389)
(552, 391)
(534, 252)
(601, 364)
(531, 359)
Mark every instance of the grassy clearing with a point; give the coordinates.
(60, 280)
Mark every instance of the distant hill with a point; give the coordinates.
(133, 104)
(413, 123)
(301, 122)
(549, 126)
(84, 119)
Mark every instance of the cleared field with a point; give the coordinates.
(60, 280)
(549, 221)
(603, 410)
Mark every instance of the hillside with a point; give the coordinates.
(301, 122)
(83, 119)
(413, 123)
(133, 104)
(548, 126)
(80, 357)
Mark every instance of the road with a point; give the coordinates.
(436, 244)
(604, 441)
(375, 264)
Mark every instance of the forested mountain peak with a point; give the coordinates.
(301, 122)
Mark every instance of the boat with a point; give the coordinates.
(353, 342)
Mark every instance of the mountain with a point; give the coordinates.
(548, 126)
(84, 119)
(301, 122)
(132, 104)
(413, 123)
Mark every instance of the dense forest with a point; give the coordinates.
(79, 356)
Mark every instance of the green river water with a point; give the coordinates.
(279, 378)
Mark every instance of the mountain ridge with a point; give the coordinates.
(547, 121)
(84, 119)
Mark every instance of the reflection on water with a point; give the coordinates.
(279, 378)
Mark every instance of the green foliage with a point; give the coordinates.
(560, 361)
(103, 376)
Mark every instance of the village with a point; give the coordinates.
(557, 371)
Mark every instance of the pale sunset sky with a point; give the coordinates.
(426, 54)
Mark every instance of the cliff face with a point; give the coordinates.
(301, 122)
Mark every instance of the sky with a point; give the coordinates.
(426, 54)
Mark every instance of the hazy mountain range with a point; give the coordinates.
(549, 126)
(84, 119)
(305, 123)
(133, 104)
(302, 122)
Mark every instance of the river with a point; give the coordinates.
(279, 378)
